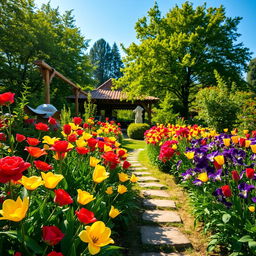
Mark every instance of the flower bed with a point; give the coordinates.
(68, 193)
(218, 170)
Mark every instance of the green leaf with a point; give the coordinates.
(252, 245)
(245, 239)
(226, 217)
(33, 245)
(10, 233)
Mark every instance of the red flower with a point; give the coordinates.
(85, 216)
(226, 191)
(2, 136)
(42, 166)
(52, 121)
(242, 142)
(92, 142)
(249, 173)
(111, 159)
(85, 125)
(216, 165)
(11, 168)
(17, 254)
(53, 253)
(72, 138)
(82, 150)
(67, 129)
(60, 146)
(79, 132)
(235, 175)
(33, 141)
(62, 197)
(35, 151)
(126, 165)
(20, 137)
(42, 127)
(121, 153)
(52, 235)
(77, 120)
(6, 98)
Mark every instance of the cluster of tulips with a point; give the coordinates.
(62, 195)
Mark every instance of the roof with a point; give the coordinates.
(105, 92)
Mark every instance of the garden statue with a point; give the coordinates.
(138, 114)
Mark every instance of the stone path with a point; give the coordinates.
(159, 217)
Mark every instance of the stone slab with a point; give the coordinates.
(153, 192)
(139, 168)
(159, 216)
(154, 203)
(158, 236)
(141, 173)
(161, 254)
(148, 178)
(152, 185)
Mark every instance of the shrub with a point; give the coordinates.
(136, 131)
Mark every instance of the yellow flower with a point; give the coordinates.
(219, 159)
(121, 189)
(234, 132)
(203, 177)
(81, 143)
(14, 210)
(109, 191)
(248, 143)
(99, 174)
(32, 182)
(51, 180)
(190, 154)
(74, 127)
(226, 142)
(107, 148)
(93, 161)
(46, 147)
(25, 117)
(235, 139)
(225, 130)
(113, 212)
(245, 131)
(134, 178)
(97, 235)
(86, 136)
(251, 208)
(50, 141)
(123, 177)
(84, 197)
(117, 144)
(90, 121)
(253, 148)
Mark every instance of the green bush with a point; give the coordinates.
(136, 131)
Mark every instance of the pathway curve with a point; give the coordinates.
(159, 231)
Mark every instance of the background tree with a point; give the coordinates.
(116, 62)
(28, 34)
(251, 75)
(178, 53)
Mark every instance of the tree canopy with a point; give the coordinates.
(251, 75)
(178, 53)
(107, 61)
(27, 34)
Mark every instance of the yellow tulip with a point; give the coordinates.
(113, 212)
(117, 144)
(245, 131)
(97, 235)
(107, 148)
(251, 208)
(190, 154)
(50, 141)
(203, 177)
(123, 177)
(134, 178)
(121, 189)
(219, 159)
(93, 161)
(74, 127)
(14, 210)
(226, 142)
(32, 182)
(253, 148)
(248, 143)
(225, 130)
(235, 139)
(51, 180)
(84, 197)
(81, 143)
(109, 191)
(86, 136)
(99, 174)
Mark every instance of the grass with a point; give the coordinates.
(131, 144)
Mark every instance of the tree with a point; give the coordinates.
(100, 55)
(251, 75)
(28, 34)
(116, 62)
(179, 51)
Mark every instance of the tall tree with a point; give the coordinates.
(101, 55)
(251, 75)
(28, 34)
(116, 62)
(179, 52)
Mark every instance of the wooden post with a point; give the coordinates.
(46, 74)
(149, 113)
(77, 101)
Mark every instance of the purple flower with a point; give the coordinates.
(186, 175)
(254, 199)
(216, 176)
(198, 182)
(244, 189)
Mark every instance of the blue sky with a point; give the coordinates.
(114, 20)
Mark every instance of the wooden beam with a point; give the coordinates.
(46, 75)
(77, 101)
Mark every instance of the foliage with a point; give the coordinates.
(125, 115)
(28, 34)
(65, 115)
(164, 114)
(136, 131)
(89, 107)
(106, 60)
(251, 75)
(178, 52)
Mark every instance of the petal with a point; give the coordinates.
(97, 229)
(93, 249)
(83, 235)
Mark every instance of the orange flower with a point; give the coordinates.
(35, 151)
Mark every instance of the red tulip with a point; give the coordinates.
(72, 138)
(20, 137)
(235, 175)
(60, 146)
(33, 141)
(52, 121)
(2, 136)
(53, 253)
(126, 165)
(62, 197)
(42, 166)
(67, 129)
(6, 98)
(52, 235)
(85, 216)
(249, 173)
(82, 150)
(42, 127)
(35, 151)
(77, 120)
(226, 191)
